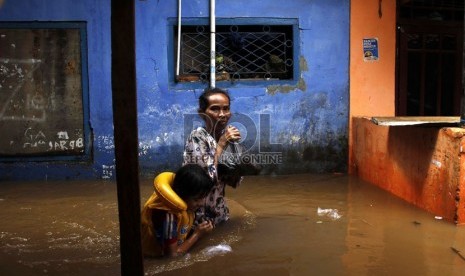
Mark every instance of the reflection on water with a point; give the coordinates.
(281, 225)
(58, 228)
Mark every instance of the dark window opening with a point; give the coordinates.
(43, 91)
(432, 10)
(429, 57)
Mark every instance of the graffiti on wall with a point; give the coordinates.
(41, 102)
(61, 141)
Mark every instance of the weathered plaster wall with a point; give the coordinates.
(372, 83)
(309, 119)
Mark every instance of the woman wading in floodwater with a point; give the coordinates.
(205, 146)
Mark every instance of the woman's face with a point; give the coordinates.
(218, 111)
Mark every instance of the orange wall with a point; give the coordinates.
(372, 83)
(422, 165)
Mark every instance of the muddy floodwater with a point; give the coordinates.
(324, 224)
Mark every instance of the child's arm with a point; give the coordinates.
(177, 250)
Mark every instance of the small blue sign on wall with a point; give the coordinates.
(370, 49)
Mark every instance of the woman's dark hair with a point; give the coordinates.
(192, 182)
(203, 99)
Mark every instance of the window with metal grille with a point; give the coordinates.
(244, 52)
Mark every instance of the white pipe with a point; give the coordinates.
(212, 44)
(178, 54)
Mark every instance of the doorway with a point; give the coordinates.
(429, 57)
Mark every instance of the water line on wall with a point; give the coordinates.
(212, 44)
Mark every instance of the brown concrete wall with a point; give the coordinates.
(422, 165)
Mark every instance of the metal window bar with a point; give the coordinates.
(260, 55)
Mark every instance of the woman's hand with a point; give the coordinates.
(231, 134)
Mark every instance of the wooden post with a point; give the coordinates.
(125, 133)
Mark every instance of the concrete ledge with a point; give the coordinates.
(424, 165)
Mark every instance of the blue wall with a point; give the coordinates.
(309, 119)
(97, 16)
